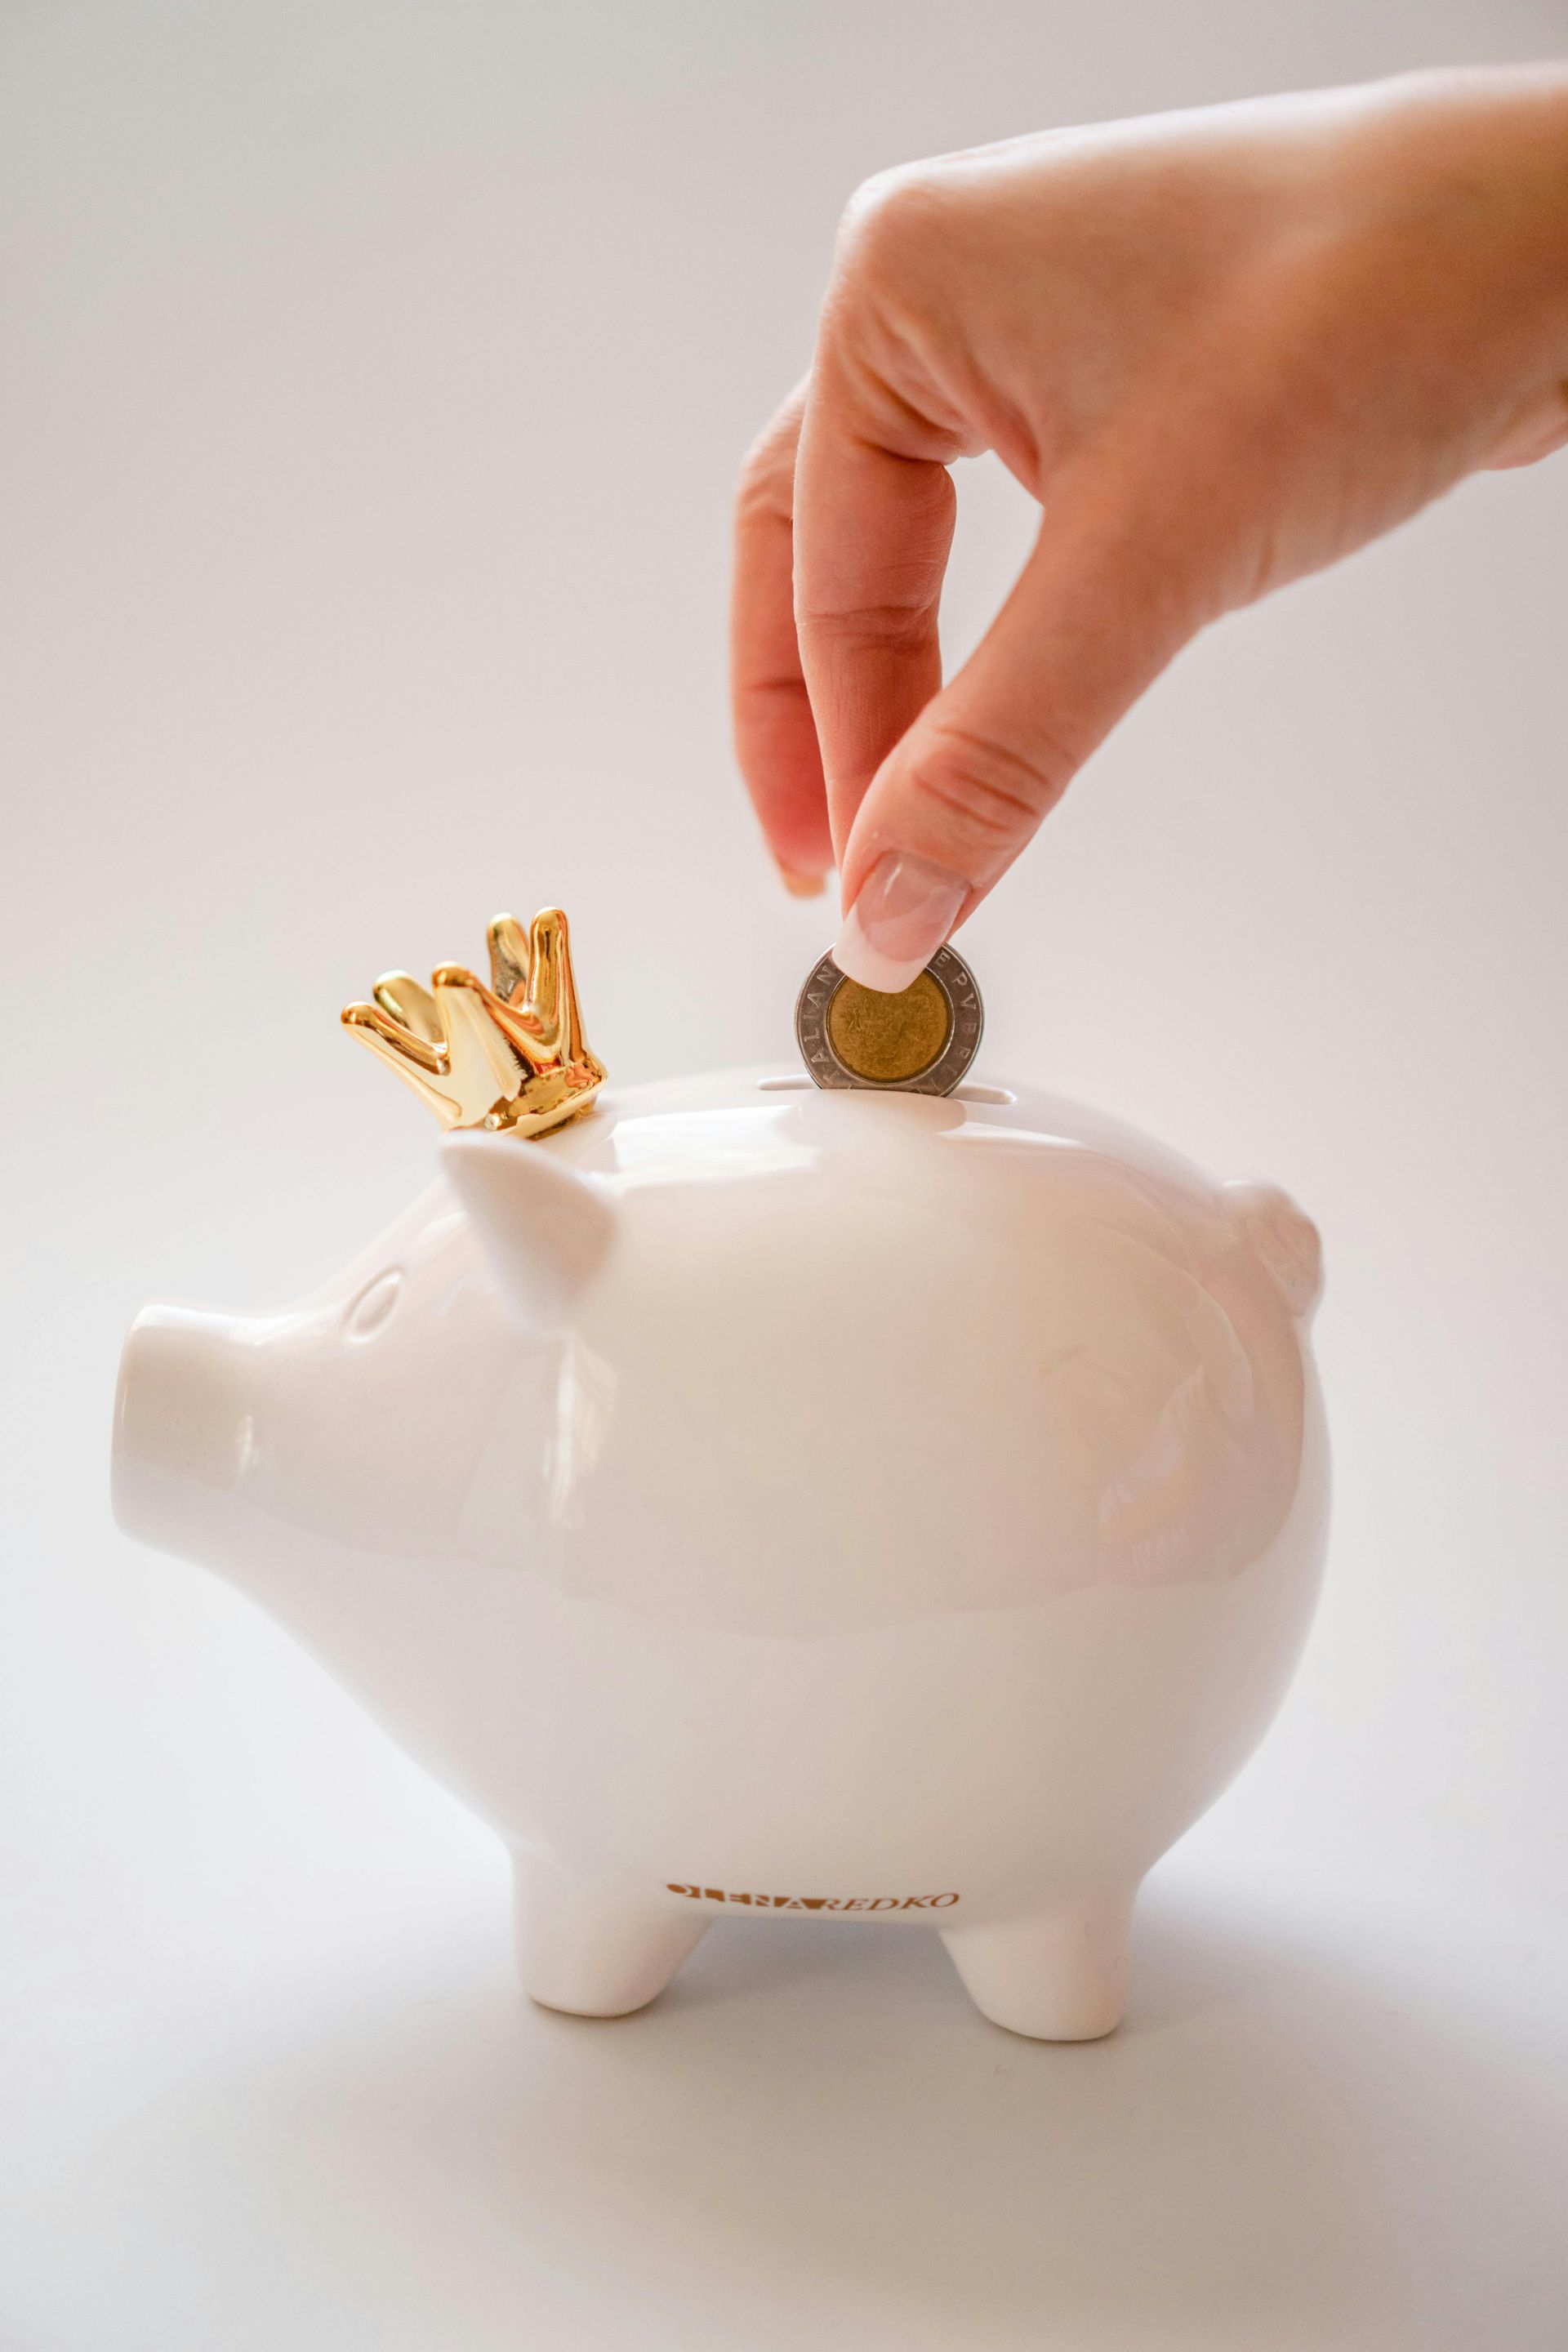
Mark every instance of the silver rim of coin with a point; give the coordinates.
(966, 1017)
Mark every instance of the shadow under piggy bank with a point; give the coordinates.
(807, 2143)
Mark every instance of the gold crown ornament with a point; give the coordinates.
(509, 1056)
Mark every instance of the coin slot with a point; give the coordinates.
(792, 1084)
(984, 1093)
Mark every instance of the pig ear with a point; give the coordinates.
(1283, 1239)
(543, 1227)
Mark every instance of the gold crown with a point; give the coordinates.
(510, 1056)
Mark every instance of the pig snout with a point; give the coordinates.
(182, 1428)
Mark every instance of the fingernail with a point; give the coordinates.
(903, 912)
(798, 884)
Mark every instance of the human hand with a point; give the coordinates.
(1221, 348)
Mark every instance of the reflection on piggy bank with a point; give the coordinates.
(752, 1499)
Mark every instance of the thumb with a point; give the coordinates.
(1111, 593)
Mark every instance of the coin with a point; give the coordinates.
(920, 1042)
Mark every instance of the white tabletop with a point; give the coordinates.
(270, 2079)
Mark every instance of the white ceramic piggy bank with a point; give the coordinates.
(752, 1498)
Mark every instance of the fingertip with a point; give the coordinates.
(800, 884)
(902, 913)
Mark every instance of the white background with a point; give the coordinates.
(375, 379)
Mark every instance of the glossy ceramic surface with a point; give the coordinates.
(752, 1497)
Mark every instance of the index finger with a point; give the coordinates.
(872, 531)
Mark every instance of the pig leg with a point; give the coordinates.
(1059, 1973)
(597, 1947)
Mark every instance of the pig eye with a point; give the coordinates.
(369, 1309)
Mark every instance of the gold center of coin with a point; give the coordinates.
(887, 1039)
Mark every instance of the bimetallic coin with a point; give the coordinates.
(920, 1042)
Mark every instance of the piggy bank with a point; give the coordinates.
(749, 1498)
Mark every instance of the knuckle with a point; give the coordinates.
(988, 794)
(886, 628)
(765, 489)
(894, 220)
